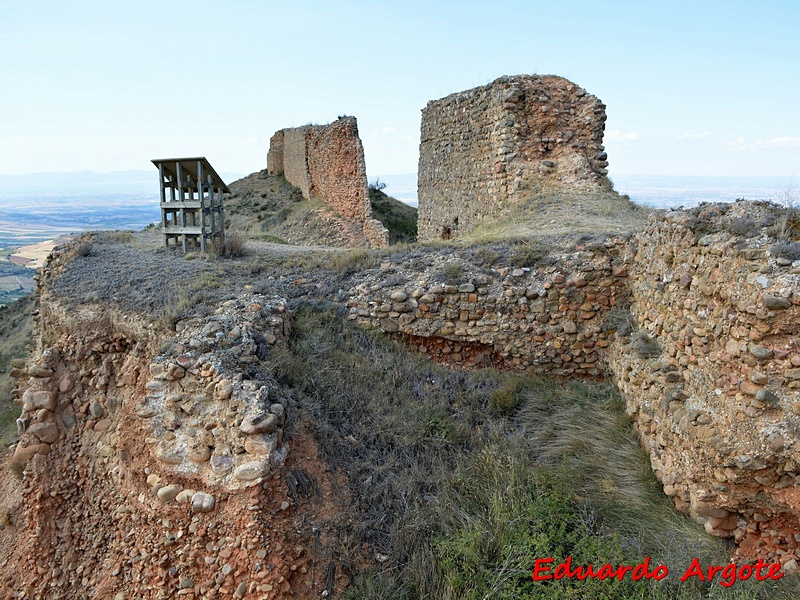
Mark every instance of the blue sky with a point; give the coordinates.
(692, 88)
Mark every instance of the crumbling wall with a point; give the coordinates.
(716, 396)
(546, 319)
(327, 162)
(275, 153)
(482, 150)
(295, 160)
(695, 319)
(143, 451)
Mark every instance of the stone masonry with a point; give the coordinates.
(695, 319)
(483, 150)
(327, 162)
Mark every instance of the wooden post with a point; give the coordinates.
(221, 217)
(163, 200)
(201, 197)
(212, 209)
(182, 210)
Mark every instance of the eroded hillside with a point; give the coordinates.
(215, 427)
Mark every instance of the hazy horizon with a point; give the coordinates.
(704, 89)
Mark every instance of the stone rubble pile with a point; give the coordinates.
(204, 418)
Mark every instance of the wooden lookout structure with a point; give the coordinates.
(192, 211)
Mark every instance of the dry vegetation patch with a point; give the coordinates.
(460, 480)
(564, 218)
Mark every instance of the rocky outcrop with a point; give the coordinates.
(327, 162)
(483, 150)
(153, 461)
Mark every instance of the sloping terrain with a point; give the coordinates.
(393, 477)
(267, 207)
(16, 330)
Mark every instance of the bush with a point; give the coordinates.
(527, 254)
(505, 399)
(232, 247)
(788, 250)
(743, 227)
(619, 319)
(787, 225)
(452, 271)
(645, 346)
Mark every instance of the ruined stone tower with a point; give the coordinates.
(482, 150)
(327, 162)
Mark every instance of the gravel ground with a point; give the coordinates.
(135, 272)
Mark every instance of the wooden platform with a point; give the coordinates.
(192, 210)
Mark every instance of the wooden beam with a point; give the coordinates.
(221, 217)
(201, 199)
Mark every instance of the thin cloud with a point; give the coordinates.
(619, 136)
(778, 143)
(693, 136)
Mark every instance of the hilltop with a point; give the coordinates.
(269, 208)
(548, 372)
(362, 415)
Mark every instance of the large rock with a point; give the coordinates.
(47, 432)
(260, 423)
(34, 400)
(202, 502)
(251, 471)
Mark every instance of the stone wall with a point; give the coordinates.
(482, 150)
(327, 162)
(695, 319)
(295, 160)
(546, 319)
(717, 403)
(275, 158)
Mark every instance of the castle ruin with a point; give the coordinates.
(482, 150)
(327, 162)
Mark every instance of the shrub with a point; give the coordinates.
(789, 250)
(505, 399)
(619, 319)
(83, 249)
(645, 346)
(350, 261)
(527, 254)
(17, 468)
(487, 256)
(232, 247)
(743, 227)
(787, 225)
(452, 271)
(377, 185)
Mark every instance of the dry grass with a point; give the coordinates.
(569, 217)
(644, 345)
(232, 246)
(463, 479)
